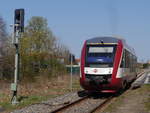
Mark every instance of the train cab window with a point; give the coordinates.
(100, 55)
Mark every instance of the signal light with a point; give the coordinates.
(19, 20)
(71, 58)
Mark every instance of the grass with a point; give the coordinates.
(26, 101)
(38, 91)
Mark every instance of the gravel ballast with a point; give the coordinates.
(50, 105)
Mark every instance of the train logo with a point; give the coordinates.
(95, 70)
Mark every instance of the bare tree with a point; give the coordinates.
(3, 36)
(6, 52)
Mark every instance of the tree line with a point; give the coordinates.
(40, 52)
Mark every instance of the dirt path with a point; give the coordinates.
(133, 101)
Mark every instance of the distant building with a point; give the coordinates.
(149, 62)
(77, 61)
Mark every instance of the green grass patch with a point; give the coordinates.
(2, 95)
(24, 101)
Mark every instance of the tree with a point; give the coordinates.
(39, 49)
(40, 36)
(146, 65)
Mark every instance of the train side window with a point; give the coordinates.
(131, 62)
(123, 60)
(127, 59)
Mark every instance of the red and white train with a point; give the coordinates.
(108, 64)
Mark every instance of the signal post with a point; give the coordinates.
(18, 29)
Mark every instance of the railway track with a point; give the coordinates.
(140, 74)
(59, 110)
(102, 105)
(86, 104)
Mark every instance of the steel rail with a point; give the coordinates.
(59, 110)
(102, 105)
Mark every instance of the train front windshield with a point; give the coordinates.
(100, 56)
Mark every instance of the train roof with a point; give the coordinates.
(110, 40)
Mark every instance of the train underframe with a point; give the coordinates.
(105, 85)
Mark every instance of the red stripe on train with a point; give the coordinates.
(116, 81)
(83, 54)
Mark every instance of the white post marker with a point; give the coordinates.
(16, 73)
(71, 73)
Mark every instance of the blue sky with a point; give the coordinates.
(74, 21)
